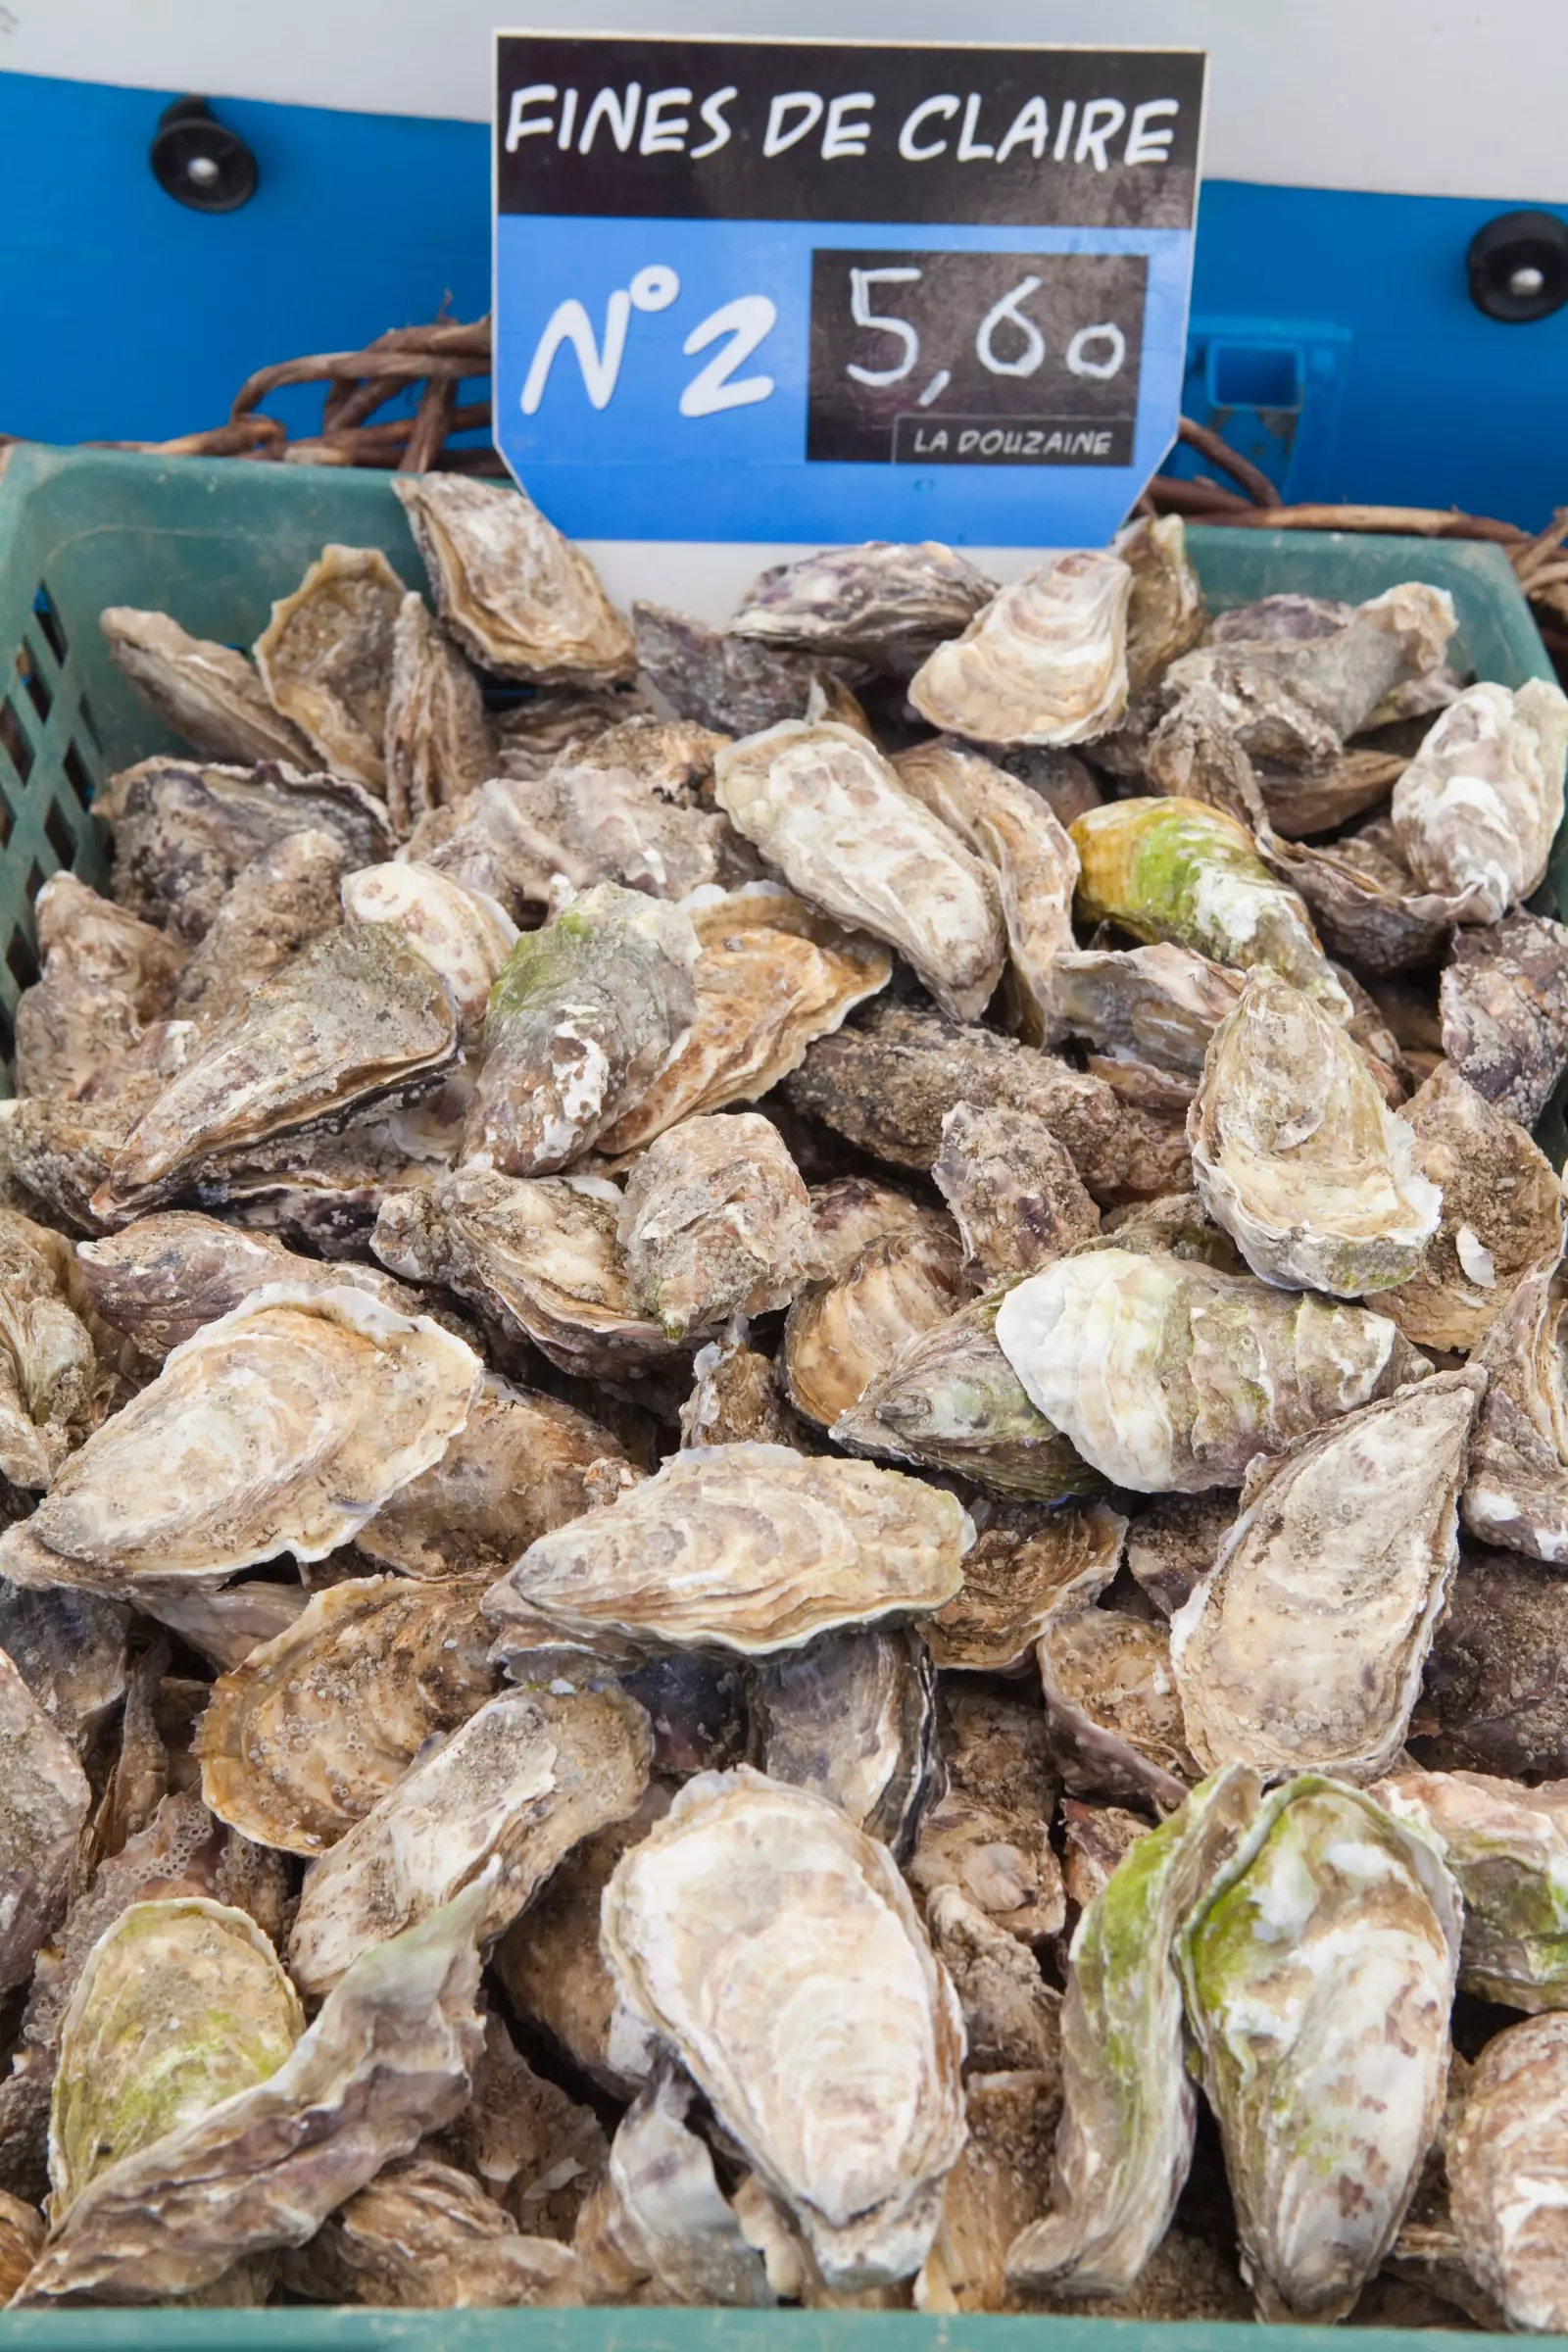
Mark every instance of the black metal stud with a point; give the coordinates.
(1518, 267)
(199, 162)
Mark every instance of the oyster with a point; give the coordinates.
(69, 1649)
(584, 821)
(1495, 1698)
(1340, 675)
(182, 2004)
(1125, 2139)
(1173, 869)
(538, 1256)
(1167, 1375)
(1314, 800)
(1012, 1187)
(736, 685)
(223, 1628)
(850, 1213)
(423, 2236)
(44, 1801)
(1011, 2017)
(1517, 1494)
(182, 831)
(1478, 808)
(52, 1390)
(1147, 1009)
(950, 1400)
(1175, 1543)
(536, 2151)
(519, 599)
(582, 1018)
(753, 1913)
(1325, 2047)
(1303, 1647)
(326, 658)
(827, 809)
(107, 977)
(1096, 1838)
(1503, 1212)
(667, 759)
(208, 694)
(514, 1786)
(697, 1706)
(853, 1717)
(1505, 2162)
(1504, 1003)
(387, 2060)
(989, 1834)
(1165, 611)
(549, 719)
(21, 2234)
(1019, 1566)
(286, 896)
(1194, 754)
(329, 1399)
(844, 1334)
(437, 746)
(312, 1731)
(1110, 1697)
(1297, 1156)
(993, 2192)
(1365, 899)
(1043, 663)
(462, 936)
(659, 2213)
(714, 1221)
(736, 1398)
(1508, 1848)
(352, 1019)
(744, 1547)
(886, 603)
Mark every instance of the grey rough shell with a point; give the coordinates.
(1517, 1495)
(519, 599)
(882, 600)
(715, 1220)
(736, 685)
(1478, 808)
(280, 902)
(44, 1800)
(1505, 1004)
(1014, 1190)
(852, 1716)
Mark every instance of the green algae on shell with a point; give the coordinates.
(1508, 1848)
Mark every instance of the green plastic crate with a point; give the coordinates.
(213, 542)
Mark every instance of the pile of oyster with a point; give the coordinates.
(783, 1447)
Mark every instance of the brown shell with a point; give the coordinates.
(990, 1834)
(734, 685)
(1314, 800)
(736, 1398)
(44, 1799)
(887, 602)
(208, 694)
(1366, 903)
(438, 745)
(326, 658)
(845, 1333)
(280, 902)
(714, 1221)
(519, 599)
(853, 1717)
(1012, 1187)
(850, 1213)
(1021, 1562)
(1505, 999)
(1494, 1698)
(425, 2236)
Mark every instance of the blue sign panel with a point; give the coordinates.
(815, 292)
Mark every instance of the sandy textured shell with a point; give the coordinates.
(1170, 1376)
(1126, 2134)
(1116, 1719)
(355, 1017)
(989, 1834)
(1013, 1187)
(1165, 612)
(1299, 1157)
(106, 975)
(751, 1549)
(535, 2148)
(736, 685)
(182, 2003)
(1158, 1005)
(1096, 1838)
(326, 658)
(1503, 1212)
(532, 731)
(280, 902)
(1194, 754)
(1504, 1003)
(327, 1400)
(659, 2215)
(1011, 2017)
(853, 1717)
(208, 694)
(464, 935)
(1341, 675)
(1021, 1561)
(1508, 1848)
(300, 1742)
(1517, 1495)
(1043, 663)
(752, 1916)
(1325, 2047)
(21, 2234)
(1304, 1648)
(519, 599)
(1507, 2160)
(44, 1800)
(883, 601)
(536, 1255)
(1174, 1543)
(438, 745)
(424, 2236)
(824, 806)
(1478, 808)
(736, 1396)
(386, 2061)
(1366, 901)
(516, 1785)
(1494, 1698)
(950, 1400)
(589, 819)
(668, 759)
(1173, 869)
(844, 1334)
(582, 1019)
(995, 2190)
(715, 1220)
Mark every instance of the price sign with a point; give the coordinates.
(817, 292)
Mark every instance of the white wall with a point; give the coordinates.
(1431, 97)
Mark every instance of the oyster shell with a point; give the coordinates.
(1503, 1212)
(1365, 899)
(355, 1017)
(887, 604)
(1125, 2139)
(1507, 1849)
(1170, 1376)
(423, 2236)
(714, 1221)
(1043, 663)
(744, 1547)
(989, 1834)
(659, 2213)
(1173, 869)
(1494, 1699)
(1014, 1190)
(182, 2004)
(950, 1400)
(519, 599)
(53, 1391)
(1096, 1838)
(844, 1334)
(536, 1255)
(1517, 1494)
(462, 936)
(850, 1213)
(1504, 1003)
(1165, 611)
(1325, 2048)
(1505, 2163)
(515, 1787)
(1478, 808)
(326, 658)
(44, 1801)
(1014, 1573)
(584, 821)
(736, 685)
(667, 759)
(736, 1398)
(535, 2150)
(1011, 2017)
(1314, 800)
(1297, 1156)
(853, 1717)
(438, 745)
(750, 1916)
(223, 1628)
(312, 1730)
(331, 1400)
(69, 1649)
(1146, 1009)
(1175, 1543)
(550, 717)
(824, 806)
(387, 2060)
(1303, 1647)
(1110, 1697)
(208, 694)
(697, 1706)
(993, 2192)
(582, 1019)
(107, 975)
(1194, 754)
(21, 2234)
(1341, 675)
(286, 896)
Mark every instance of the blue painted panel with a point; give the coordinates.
(126, 317)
